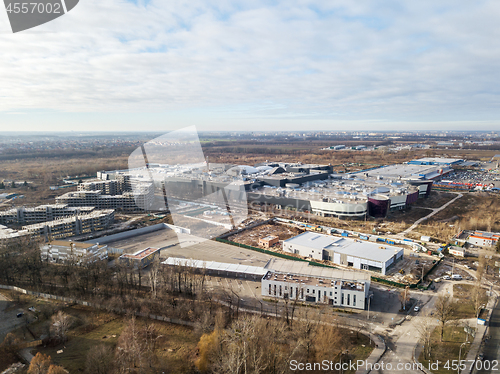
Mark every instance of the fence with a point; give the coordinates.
(253, 225)
(98, 306)
(282, 255)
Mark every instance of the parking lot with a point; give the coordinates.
(207, 250)
(8, 319)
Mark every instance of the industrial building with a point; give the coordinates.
(302, 282)
(60, 251)
(219, 269)
(71, 226)
(436, 161)
(41, 213)
(345, 251)
(483, 238)
(269, 241)
(291, 279)
(141, 258)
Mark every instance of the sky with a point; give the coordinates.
(159, 65)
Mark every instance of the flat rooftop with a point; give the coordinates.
(438, 160)
(314, 281)
(216, 266)
(139, 255)
(204, 250)
(405, 171)
(351, 247)
(67, 243)
(303, 268)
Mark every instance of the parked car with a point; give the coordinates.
(416, 309)
(32, 309)
(19, 315)
(446, 277)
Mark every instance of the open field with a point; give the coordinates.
(474, 211)
(175, 349)
(448, 349)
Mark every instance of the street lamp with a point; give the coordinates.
(460, 354)
(369, 298)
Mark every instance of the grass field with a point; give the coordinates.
(176, 347)
(448, 349)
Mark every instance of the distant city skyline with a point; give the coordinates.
(150, 65)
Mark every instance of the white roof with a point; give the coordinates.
(303, 268)
(352, 247)
(216, 266)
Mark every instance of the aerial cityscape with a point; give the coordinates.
(231, 187)
(383, 246)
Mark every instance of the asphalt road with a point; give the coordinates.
(492, 347)
(8, 319)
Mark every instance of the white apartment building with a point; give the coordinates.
(41, 213)
(143, 199)
(72, 226)
(60, 251)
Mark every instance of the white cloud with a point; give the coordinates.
(397, 61)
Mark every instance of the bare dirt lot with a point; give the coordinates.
(252, 236)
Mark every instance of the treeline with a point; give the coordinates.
(174, 292)
(14, 154)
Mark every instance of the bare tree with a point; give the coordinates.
(153, 276)
(61, 322)
(425, 327)
(478, 297)
(404, 297)
(99, 360)
(445, 310)
(129, 349)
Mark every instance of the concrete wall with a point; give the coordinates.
(128, 234)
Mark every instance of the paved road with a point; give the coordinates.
(403, 339)
(492, 347)
(8, 319)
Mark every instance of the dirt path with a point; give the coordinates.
(434, 211)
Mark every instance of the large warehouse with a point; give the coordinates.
(345, 251)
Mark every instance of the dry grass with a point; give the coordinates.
(448, 349)
(475, 211)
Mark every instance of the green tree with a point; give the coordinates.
(13, 185)
(497, 247)
(2, 186)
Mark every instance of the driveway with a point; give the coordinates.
(8, 319)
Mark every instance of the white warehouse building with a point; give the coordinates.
(298, 281)
(345, 251)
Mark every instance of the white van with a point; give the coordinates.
(456, 277)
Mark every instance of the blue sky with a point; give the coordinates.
(249, 65)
